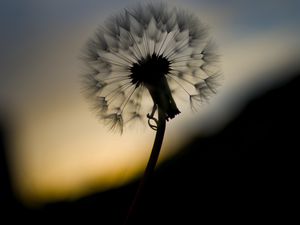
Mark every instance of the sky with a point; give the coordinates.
(59, 149)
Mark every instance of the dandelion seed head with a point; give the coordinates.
(148, 52)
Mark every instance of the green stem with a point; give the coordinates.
(161, 126)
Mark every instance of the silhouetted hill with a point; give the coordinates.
(244, 173)
(266, 129)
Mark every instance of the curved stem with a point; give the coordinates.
(161, 126)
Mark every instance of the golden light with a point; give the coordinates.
(61, 151)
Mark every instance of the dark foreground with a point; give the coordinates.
(245, 173)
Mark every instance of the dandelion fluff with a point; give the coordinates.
(150, 47)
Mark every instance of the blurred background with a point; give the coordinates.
(57, 159)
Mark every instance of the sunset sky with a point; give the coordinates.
(59, 148)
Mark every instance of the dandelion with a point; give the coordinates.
(149, 51)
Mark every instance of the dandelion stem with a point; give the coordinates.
(161, 126)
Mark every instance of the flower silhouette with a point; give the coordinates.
(149, 51)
